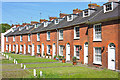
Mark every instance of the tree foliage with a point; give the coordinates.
(4, 27)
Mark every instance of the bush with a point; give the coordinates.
(74, 59)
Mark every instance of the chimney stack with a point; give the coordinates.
(112, 0)
(17, 25)
(52, 18)
(43, 20)
(77, 11)
(24, 24)
(34, 22)
(63, 15)
(93, 5)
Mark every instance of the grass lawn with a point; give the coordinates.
(47, 65)
(53, 70)
(76, 72)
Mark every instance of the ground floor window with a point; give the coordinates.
(48, 49)
(97, 55)
(61, 50)
(6, 47)
(38, 48)
(76, 51)
(13, 47)
(21, 48)
(28, 48)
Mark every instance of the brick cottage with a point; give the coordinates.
(91, 35)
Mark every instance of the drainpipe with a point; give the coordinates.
(57, 42)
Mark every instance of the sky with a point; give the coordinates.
(21, 12)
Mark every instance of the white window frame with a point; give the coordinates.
(108, 10)
(38, 36)
(95, 39)
(21, 37)
(60, 38)
(6, 39)
(48, 38)
(60, 50)
(38, 48)
(78, 57)
(56, 21)
(13, 47)
(45, 24)
(21, 48)
(6, 47)
(13, 38)
(29, 37)
(48, 47)
(94, 60)
(87, 15)
(68, 19)
(75, 33)
(28, 48)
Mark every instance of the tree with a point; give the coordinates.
(4, 27)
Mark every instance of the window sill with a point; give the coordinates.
(108, 11)
(48, 40)
(77, 38)
(97, 63)
(38, 41)
(60, 39)
(97, 40)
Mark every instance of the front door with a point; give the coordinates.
(67, 52)
(16, 48)
(53, 50)
(42, 49)
(111, 57)
(24, 49)
(86, 53)
(32, 49)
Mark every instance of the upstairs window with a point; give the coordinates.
(61, 50)
(6, 39)
(69, 17)
(48, 49)
(38, 36)
(13, 38)
(60, 34)
(86, 13)
(48, 35)
(56, 21)
(45, 24)
(6, 47)
(108, 7)
(76, 33)
(97, 32)
(20, 37)
(97, 55)
(28, 37)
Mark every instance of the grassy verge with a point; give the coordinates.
(32, 60)
(47, 65)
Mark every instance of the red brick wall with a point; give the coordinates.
(109, 35)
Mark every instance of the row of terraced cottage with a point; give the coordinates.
(91, 35)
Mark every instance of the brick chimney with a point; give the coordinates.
(43, 20)
(12, 25)
(77, 11)
(17, 25)
(24, 24)
(52, 18)
(93, 5)
(63, 15)
(112, 0)
(34, 22)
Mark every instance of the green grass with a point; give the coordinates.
(32, 60)
(13, 66)
(19, 56)
(47, 65)
(7, 61)
(76, 72)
